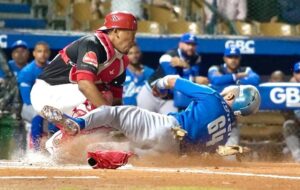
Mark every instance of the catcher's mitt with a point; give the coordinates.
(232, 150)
(108, 159)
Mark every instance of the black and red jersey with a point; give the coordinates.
(91, 57)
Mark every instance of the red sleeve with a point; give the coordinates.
(116, 91)
(85, 75)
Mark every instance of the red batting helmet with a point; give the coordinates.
(121, 20)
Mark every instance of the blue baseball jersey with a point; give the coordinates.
(26, 80)
(12, 67)
(133, 84)
(220, 78)
(2, 74)
(187, 73)
(208, 119)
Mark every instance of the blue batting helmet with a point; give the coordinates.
(247, 102)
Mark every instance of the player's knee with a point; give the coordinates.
(289, 128)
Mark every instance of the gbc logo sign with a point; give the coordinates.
(290, 95)
(3, 41)
(246, 46)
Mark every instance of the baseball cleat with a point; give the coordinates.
(57, 117)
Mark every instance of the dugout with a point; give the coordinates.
(263, 54)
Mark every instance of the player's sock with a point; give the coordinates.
(79, 121)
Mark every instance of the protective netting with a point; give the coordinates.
(243, 17)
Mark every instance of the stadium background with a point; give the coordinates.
(268, 39)
(275, 44)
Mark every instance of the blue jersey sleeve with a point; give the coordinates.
(165, 63)
(148, 72)
(191, 89)
(218, 79)
(25, 82)
(252, 78)
(2, 74)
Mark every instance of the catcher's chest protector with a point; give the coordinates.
(113, 67)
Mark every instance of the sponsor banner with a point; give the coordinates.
(274, 96)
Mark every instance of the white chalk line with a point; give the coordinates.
(145, 169)
(198, 171)
(49, 177)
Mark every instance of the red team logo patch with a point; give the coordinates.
(90, 58)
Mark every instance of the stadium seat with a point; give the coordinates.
(149, 27)
(246, 29)
(242, 28)
(222, 29)
(61, 7)
(95, 24)
(277, 29)
(180, 27)
(160, 15)
(81, 15)
(105, 7)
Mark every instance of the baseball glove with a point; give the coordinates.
(108, 159)
(232, 150)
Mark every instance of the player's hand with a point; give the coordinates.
(177, 62)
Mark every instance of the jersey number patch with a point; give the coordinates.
(216, 130)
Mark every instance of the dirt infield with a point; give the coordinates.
(162, 173)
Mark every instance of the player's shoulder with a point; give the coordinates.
(11, 62)
(26, 70)
(214, 68)
(245, 69)
(148, 70)
(172, 52)
(91, 40)
(166, 57)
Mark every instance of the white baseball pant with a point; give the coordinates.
(64, 97)
(146, 100)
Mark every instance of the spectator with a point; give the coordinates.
(26, 80)
(291, 127)
(231, 71)
(183, 61)
(231, 9)
(289, 11)
(136, 76)
(277, 76)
